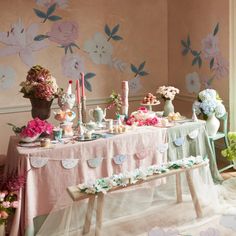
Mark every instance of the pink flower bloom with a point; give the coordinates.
(6, 204)
(220, 67)
(3, 214)
(14, 204)
(64, 33)
(2, 196)
(143, 109)
(210, 46)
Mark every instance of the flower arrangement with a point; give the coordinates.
(40, 84)
(36, 127)
(142, 117)
(208, 103)
(9, 196)
(230, 151)
(114, 101)
(167, 92)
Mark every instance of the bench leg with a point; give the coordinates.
(88, 216)
(178, 188)
(99, 214)
(193, 194)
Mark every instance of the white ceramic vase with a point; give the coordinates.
(29, 139)
(212, 125)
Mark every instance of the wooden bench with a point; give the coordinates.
(77, 195)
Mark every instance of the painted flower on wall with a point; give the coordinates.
(7, 77)
(210, 52)
(192, 81)
(135, 85)
(99, 49)
(20, 40)
(48, 3)
(210, 46)
(72, 66)
(220, 67)
(65, 34)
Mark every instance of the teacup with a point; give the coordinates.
(91, 125)
(57, 133)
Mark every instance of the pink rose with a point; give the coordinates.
(15, 204)
(64, 33)
(6, 204)
(143, 109)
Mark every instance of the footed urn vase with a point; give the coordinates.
(40, 108)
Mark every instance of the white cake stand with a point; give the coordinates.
(150, 105)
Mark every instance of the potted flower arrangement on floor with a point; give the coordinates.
(41, 88)
(9, 200)
(210, 105)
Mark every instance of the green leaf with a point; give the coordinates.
(199, 62)
(51, 9)
(188, 41)
(116, 37)
(107, 30)
(194, 53)
(87, 85)
(184, 43)
(74, 45)
(185, 51)
(40, 37)
(212, 63)
(89, 75)
(134, 69)
(216, 29)
(143, 73)
(115, 29)
(66, 49)
(71, 51)
(195, 60)
(141, 66)
(40, 14)
(54, 18)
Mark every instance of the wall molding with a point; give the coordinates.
(90, 102)
(98, 101)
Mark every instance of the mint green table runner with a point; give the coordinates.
(188, 139)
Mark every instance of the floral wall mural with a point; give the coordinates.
(211, 55)
(98, 48)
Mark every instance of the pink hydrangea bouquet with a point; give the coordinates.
(142, 117)
(167, 92)
(36, 127)
(40, 84)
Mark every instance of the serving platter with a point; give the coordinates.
(93, 137)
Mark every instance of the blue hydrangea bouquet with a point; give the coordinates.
(209, 102)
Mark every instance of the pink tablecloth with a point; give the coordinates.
(52, 170)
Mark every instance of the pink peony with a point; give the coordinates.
(64, 33)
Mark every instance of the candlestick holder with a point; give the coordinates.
(83, 110)
(79, 113)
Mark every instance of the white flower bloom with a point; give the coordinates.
(192, 81)
(72, 66)
(7, 77)
(20, 40)
(99, 49)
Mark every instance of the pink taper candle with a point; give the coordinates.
(82, 80)
(77, 92)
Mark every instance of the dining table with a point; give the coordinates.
(67, 162)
